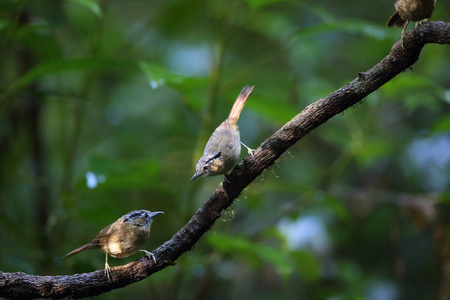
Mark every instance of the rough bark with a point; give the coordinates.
(21, 285)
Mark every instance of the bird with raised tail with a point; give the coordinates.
(224, 145)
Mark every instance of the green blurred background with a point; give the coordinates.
(106, 106)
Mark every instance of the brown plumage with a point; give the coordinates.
(122, 238)
(224, 145)
(410, 10)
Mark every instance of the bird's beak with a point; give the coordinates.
(156, 213)
(196, 175)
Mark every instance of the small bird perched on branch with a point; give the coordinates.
(411, 10)
(122, 238)
(224, 145)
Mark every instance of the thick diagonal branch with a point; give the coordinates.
(20, 285)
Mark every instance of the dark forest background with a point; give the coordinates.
(105, 106)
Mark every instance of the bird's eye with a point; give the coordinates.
(205, 168)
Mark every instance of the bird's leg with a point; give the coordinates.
(149, 255)
(420, 22)
(403, 33)
(226, 177)
(249, 150)
(107, 269)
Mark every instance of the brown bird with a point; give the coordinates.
(411, 10)
(224, 145)
(122, 238)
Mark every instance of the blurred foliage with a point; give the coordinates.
(106, 106)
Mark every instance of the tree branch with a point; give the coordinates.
(21, 285)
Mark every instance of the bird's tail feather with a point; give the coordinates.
(79, 249)
(395, 20)
(239, 104)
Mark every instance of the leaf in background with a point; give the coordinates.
(272, 109)
(233, 245)
(158, 75)
(445, 198)
(350, 273)
(188, 86)
(276, 257)
(351, 26)
(337, 207)
(257, 4)
(124, 174)
(4, 24)
(251, 250)
(308, 265)
(442, 125)
(37, 38)
(371, 149)
(57, 66)
(92, 5)
(139, 173)
(415, 92)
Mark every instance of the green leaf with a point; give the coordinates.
(158, 75)
(4, 23)
(371, 149)
(444, 198)
(415, 92)
(351, 26)
(257, 4)
(272, 109)
(125, 174)
(92, 5)
(57, 66)
(308, 265)
(349, 272)
(244, 247)
(337, 207)
(277, 258)
(188, 86)
(442, 125)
